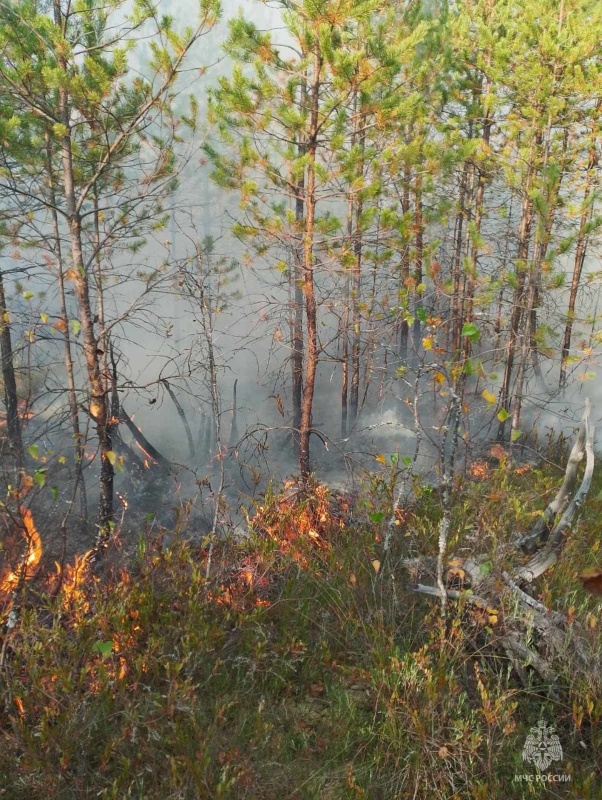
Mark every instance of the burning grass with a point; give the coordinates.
(280, 675)
(31, 557)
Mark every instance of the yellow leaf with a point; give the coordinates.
(439, 377)
(111, 457)
(376, 565)
(381, 459)
(352, 579)
(427, 343)
(489, 396)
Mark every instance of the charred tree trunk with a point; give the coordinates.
(13, 421)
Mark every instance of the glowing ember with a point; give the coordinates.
(522, 470)
(479, 470)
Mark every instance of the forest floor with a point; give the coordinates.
(303, 667)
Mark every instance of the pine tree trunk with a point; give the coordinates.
(457, 320)
(419, 225)
(580, 252)
(405, 268)
(356, 280)
(78, 442)
(524, 240)
(311, 361)
(297, 324)
(98, 398)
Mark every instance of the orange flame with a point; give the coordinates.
(149, 459)
(74, 576)
(479, 470)
(32, 556)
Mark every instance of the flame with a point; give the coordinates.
(32, 555)
(149, 459)
(522, 470)
(24, 411)
(73, 577)
(479, 470)
(291, 523)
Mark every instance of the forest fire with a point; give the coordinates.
(73, 576)
(31, 557)
(479, 470)
(25, 413)
(148, 459)
(292, 522)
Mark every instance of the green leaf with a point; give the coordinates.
(421, 314)
(28, 295)
(54, 491)
(34, 451)
(503, 415)
(470, 331)
(39, 477)
(104, 648)
(407, 461)
(75, 326)
(377, 517)
(515, 435)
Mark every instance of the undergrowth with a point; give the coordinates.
(301, 668)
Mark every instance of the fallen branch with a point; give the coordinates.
(540, 532)
(549, 554)
(143, 441)
(533, 635)
(182, 416)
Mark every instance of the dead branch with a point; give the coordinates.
(143, 441)
(182, 416)
(534, 635)
(539, 534)
(549, 554)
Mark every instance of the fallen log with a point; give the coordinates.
(143, 441)
(182, 415)
(540, 532)
(532, 635)
(548, 555)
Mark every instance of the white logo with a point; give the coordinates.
(542, 747)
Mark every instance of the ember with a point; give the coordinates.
(479, 470)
